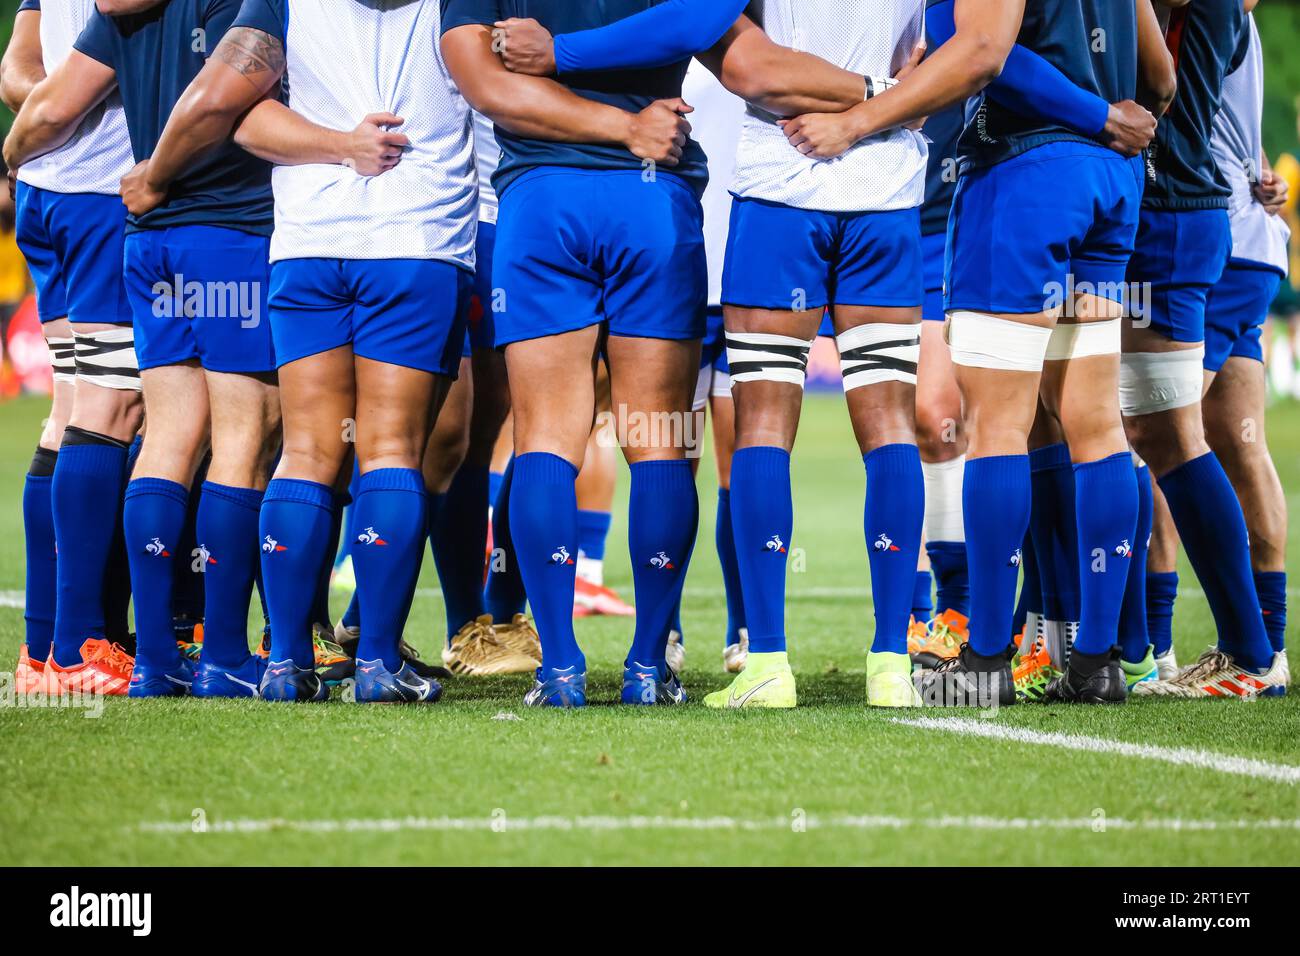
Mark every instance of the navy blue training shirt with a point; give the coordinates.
(28, 5)
(631, 90)
(1092, 42)
(156, 54)
(1181, 173)
(942, 130)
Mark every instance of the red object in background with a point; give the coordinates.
(26, 354)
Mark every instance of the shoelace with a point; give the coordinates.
(1210, 663)
(329, 650)
(115, 657)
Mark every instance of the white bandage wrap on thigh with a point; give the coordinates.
(979, 340)
(879, 352)
(1151, 382)
(943, 489)
(765, 357)
(1083, 340)
(63, 359)
(107, 358)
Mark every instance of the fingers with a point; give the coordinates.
(383, 119)
(395, 139)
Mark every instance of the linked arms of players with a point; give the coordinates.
(56, 106)
(539, 108)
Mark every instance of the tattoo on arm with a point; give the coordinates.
(250, 52)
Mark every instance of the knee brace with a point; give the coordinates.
(767, 357)
(979, 340)
(63, 359)
(1152, 382)
(107, 358)
(1083, 340)
(879, 352)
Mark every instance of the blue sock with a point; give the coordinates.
(1056, 539)
(1208, 516)
(153, 518)
(87, 486)
(1271, 588)
(504, 595)
(1106, 506)
(188, 597)
(725, 542)
(892, 517)
(117, 577)
(392, 521)
(294, 533)
(1162, 590)
(320, 605)
(352, 616)
(227, 530)
(593, 529)
(762, 521)
(1031, 587)
(951, 581)
(42, 570)
(544, 528)
(922, 602)
(663, 517)
(995, 502)
(1134, 634)
(458, 537)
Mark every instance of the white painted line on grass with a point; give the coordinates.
(1184, 756)
(795, 822)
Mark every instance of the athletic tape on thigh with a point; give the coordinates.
(879, 352)
(63, 359)
(1152, 382)
(702, 383)
(721, 384)
(1083, 340)
(107, 358)
(763, 356)
(979, 340)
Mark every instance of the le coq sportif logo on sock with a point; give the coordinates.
(75, 909)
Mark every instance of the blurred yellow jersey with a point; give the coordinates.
(1288, 167)
(13, 270)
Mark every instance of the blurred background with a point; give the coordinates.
(25, 366)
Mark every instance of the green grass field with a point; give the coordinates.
(479, 779)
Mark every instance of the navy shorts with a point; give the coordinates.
(577, 247)
(73, 246)
(480, 332)
(199, 292)
(1235, 311)
(408, 312)
(1026, 230)
(787, 259)
(932, 253)
(1180, 256)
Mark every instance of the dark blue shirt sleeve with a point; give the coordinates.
(673, 31)
(29, 5)
(267, 16)
(97, 39)
(1029, 84)
(218, 16)
(459, 13)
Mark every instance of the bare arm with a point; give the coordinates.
(957, 70)
(1157, 79)
(782, 81)
(539, 108)
(246, 65)
(22, 67)
(275, 133)
(56, 107)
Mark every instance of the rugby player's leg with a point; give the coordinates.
(553, 404)
(1081, 387)
(722, 408)
(652, 381)
(879, 353)
(1054, 530)
(1201, 500)
(1234, 426)
(457, 506)
(1161, 584)
(595, 489)
(40, 607)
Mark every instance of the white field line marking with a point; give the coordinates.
(1203, 759)
(507, 824)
